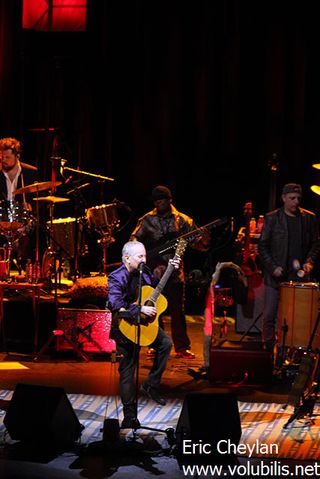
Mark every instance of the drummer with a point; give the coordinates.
(289, 246)
(14, 175)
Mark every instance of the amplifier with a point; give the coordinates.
(237, 361)
(88, 329)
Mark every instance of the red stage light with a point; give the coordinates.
(55, 15)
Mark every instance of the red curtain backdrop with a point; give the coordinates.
(10, 21)
(195, 95)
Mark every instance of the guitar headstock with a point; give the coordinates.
(181, 247)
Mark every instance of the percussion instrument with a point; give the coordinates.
(63, 235)
(26, 166)
(51, 199)
(35, 187)
(103, 218)
(298, 310)
(15, 221)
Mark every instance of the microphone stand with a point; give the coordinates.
(137, 343)
(170, 432)
(78, 202)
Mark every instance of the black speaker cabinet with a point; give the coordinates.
(42, 414)
(240, 361)
(212, 419)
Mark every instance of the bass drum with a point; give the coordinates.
(297, 314)
(64, 236)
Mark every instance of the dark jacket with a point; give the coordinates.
(273, 244)
(155, 231)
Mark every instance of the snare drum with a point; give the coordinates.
(63, 235)
(298, 310)
(103, 218)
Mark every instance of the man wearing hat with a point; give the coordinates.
(155, 228)
(289, 247)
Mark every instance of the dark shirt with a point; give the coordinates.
(294, 245)
(274, 243)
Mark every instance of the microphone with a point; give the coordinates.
(141, 266)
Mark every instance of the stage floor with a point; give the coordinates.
(99, 376)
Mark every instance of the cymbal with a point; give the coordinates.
(51, 199)
(28, 167)
(315, 189)
(316, 165)
(45, 185)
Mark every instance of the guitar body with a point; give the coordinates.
(148, 332)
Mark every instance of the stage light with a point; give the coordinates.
(316, 165)
(315, 189)
(55, 16)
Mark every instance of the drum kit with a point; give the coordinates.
(66, 235)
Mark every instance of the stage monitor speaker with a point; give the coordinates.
(42, 415)
(240, 362)
(212, 419)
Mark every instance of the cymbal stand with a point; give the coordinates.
(56, 257)
(8, 246)
(78, 202)
(37, 258)
(105, 241)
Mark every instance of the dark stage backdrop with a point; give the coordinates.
(194, 95)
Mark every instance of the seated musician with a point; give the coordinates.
(15, 175)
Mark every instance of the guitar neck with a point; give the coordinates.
(163, 281)
(190, 236)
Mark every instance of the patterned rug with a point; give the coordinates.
(263, 432)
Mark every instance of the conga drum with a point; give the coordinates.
(297, 314)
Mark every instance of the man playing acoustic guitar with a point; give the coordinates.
(132, 317)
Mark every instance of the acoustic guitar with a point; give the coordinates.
(151, 297)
